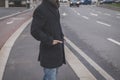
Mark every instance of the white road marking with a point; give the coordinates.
(78, 67)
(103, 23)
(14, 19)
(5, 50)
(114, 41)
(15, 14)
(74, 10)
(64, 14)
(10, 22)
(78, 13)
(107, 14)
(91, 62)
(85, 17)
(94, 14)
(19, 18)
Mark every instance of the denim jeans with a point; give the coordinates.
(50, 74)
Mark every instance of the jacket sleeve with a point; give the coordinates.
(38, 23)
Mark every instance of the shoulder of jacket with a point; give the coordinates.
(41, 9)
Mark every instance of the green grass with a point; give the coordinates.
(115, 4)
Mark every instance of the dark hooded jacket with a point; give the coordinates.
(46, 27)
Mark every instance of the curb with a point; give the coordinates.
(14, 14)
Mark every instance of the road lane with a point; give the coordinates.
(96, 66)
(92, 37)
(103, 16)
(10, 25)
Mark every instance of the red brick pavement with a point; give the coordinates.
(6, 30)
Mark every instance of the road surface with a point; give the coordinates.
(96, 31)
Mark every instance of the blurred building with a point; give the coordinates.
(17, 3)
(2, 3)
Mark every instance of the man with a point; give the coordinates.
(47, 29)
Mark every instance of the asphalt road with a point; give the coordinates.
(11, 10)
(96, 31)
(91, 29)
(9, 25)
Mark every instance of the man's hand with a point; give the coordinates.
(56, 42)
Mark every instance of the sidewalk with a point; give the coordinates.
(11, 10)
(22, 63)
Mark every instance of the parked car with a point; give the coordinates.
(85, 2)
(74, 3)
(17, 3)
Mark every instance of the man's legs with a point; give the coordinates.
(50, 74)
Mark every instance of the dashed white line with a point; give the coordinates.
(64, 14)
(75, 11)
(114, 41)
(103, 23)
(85, 17)
(18, 18)
(78, 13)
(10, 22)
(94, 14)
(91, 62)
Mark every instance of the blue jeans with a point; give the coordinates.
(50, 74)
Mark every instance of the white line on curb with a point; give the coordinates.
(103, 23)
(88, 59)
(114, 41)
(5, 50)
(81, 71)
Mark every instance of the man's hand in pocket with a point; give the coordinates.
(56, 42)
